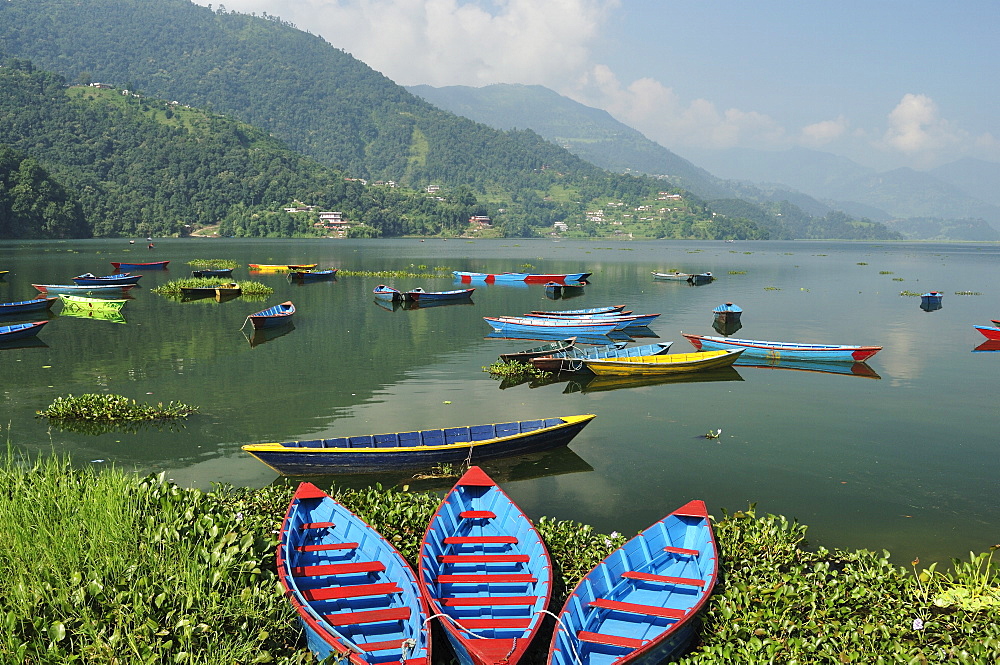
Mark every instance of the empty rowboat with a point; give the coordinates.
(273, 317)
(785, 350)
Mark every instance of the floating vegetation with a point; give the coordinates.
(971, 585)
(862, 263)
(112, 408)
(898, 279)
(391, 273)
(248, 288)
(443, 470)
(515, 370)
(885, 272)
(908, 293)
(771, 288)
(526, 266)
(214, 264)
(968, 293)
(737, 272)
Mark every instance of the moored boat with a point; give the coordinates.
(89, 279)
(212, 272)
(387, 293)
(590, 311)
(672, 363)
(23, 306)
(785, 350)
(374, 453)
(83, 288)
(989, 332)
(263, 267)
(727, 313)
(634, 320)
(121, 266)
(572, 359)
(355, 595)
(419, 295)
(527, 277)
(20, 330)
(690, 278)
(931, 301)
(485, 572)
(543, 350)
(527, 325)
(83, 302)
(642, 604)
(273, 316)
(312, 275)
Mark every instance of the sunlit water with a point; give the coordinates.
(902, 458)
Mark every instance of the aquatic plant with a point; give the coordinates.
(968, 293)
(515, 369)
(737, 272)
(391, 273)
(110, 408)
(174, 286)
(972, 585)
(908, 293)
(214, 264)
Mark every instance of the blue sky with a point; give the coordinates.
(885, 82)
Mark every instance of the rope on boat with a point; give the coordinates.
(245, 321)
(559, 626)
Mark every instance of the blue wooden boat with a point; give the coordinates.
(421, 296)
(553, 290)
(312, 275)
(354, 593)
(641, 605)
(785, 350)
(572, 359)
(690, 278)
(543, 350)
(89, 279)
(272, 317)
(20, 330)
(81, 289)
(212, 272)
(121, 266)
(590, 311)
(374, 453)
(930, 302)
(23, 306)
(526, 277)
(728, 313)
(634, 320)
(597, 339)
(387, 293)
(485, 572)
(528, 325)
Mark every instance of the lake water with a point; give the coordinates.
(902, 457)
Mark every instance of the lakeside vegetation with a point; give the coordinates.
(114, 568)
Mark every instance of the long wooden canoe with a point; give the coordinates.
(543, 350)
(355, 595)
(20, 330)
(273, 317)
(785, 350)
(120, 266)
(82, 302)
(666, 364)
(89, 279)
(524, 325)
(485, 572)
(22, 306)
(573, 359)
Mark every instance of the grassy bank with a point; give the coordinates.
(105, 567)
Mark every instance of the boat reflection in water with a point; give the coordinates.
(110, 315)
(555, 290)
(262, 335)
(554, 462)
(24, 343)
(931, 301)
(989, 346)
(847, 369)
(726, 326)
(595, 384)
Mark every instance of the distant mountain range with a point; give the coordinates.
(959, 201)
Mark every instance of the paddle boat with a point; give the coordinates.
(387, 293)
(89, 279)
(21, 330)
(529, 325)
(485, 572)
(79, 289)
(529, 278)
(642, 604)
(24, 306)
(272, 316)
(419, 295)
(785, 350)
(572, 360)
(375, 453)
(355, 595)
(122, 266)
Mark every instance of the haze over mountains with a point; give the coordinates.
(960, 200)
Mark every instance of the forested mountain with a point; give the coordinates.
(33, 204)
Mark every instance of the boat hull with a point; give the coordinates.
(81, 302)
(523, 325)
(23, 306)
(573, 360)
(434, 296)
(543, 350)
(152, 265)
(416, 450)
(109, 280)
(79, 289)
(387, 293)
(525, 277)
(590, 311)
(20, 330)
(989, 332)
(272, 317)
(785, 350)
(675, 363)
(212, 272)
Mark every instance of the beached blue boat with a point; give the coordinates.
(485, 572)
(571, 360)
(212, 272)
(374, 453)
(785, 350)
(312, 275)
(387, 293)
(590, 311)
(634, 320)
(526, 277)
(82, 289)
(421, 296)
(354, 593)
(20, 330)
(272, 317)
(24, 306)
(556, 325)
(642, 604)
(89, 279)
(122, 266)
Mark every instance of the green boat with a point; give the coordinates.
(83, 302)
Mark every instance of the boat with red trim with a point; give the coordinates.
(784, 350)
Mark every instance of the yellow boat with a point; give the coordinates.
(672, 363)
(260, 267)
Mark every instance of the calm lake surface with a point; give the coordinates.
(902, 457)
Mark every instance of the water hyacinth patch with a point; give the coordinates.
(110, 408)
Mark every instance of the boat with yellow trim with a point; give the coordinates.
(666, 364)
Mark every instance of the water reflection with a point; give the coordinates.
(931, 301)
(990, 346)
(595, 384)
(26, 343)
(262, 335)
(109, 315)
(847, 369)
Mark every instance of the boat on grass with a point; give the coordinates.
(421, 296)
(387, 293)
(372, 453)
(572, 360)
(83, 302)
(485, 572)
(272, 317)
(90, 279)
(672, 363)
(590, 311)
(24, 306)
(355, 595)
(121, 266)
(220, 292)
(543, 350)
(212, 272)
(785, 350)
(525, 277)
(20, 330)
(642, 604)
(79, 289)
(989, 332)
(527, 325)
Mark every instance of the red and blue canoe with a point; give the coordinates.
(90, 279)
(634, 320)
(387, 293)
(80, 289)
(20, 330)
(121, 266)
(484, 572)
(641, 605)
(421, 296)
(272, 317)
(989, 332)
(22, 306)
(562, 326)
(526, 277)
(354, 593)
(590, 311)
(784, 350)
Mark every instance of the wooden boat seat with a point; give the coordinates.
(386, 441)
(488, 600)
(327, 547)
(361, 441)
(457, 435)
(351, 591)
(610, 640)
(482, 432)
(477, 514)
(681, 550)
(339, 569)
(664, 579)
(487, 578)
(432, 437)
(495, 623)
(531, 425)
(305, 526)
(409, 439)
(635, 608)
(484, 558)
(393, 645)
(368, 616)
(480, 540)
(310, 443)
(507, 429)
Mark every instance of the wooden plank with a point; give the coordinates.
(368, 616)
(351, 591)
(494, 623)
(477, 514)
(681, 550)
(317, 525)
(339, 569)
(484, 558)
(477, 601)
(480, 540)
(327, 548)
(380, 646)
(635, 608)
(649, 577)
(611, 640)
(498, 578)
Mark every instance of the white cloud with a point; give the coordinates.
(915, 126)
(823, 133)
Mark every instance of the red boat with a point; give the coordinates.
(989, 332)
(122, 266)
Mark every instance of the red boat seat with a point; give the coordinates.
(317, 525)
(634, 608)
(486, 578)
(681, 550)
(611, 640)
(368, 616)
(488, 600)
(649, 577)
(484, 558)
(327, 547)
(480, 540)
(339, 569)
(351, 591)
(477, 514)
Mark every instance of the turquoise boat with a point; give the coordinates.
(522, 325)
(572, 360)
(784, 350)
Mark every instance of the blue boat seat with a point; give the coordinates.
(457, 435)
(369, 616)
(508, 429)
(482, 432)
(432, 437)
(339, 442)
(529, 425)
(311, 443)
(361, 441)
(409, 439)
(386, 441)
